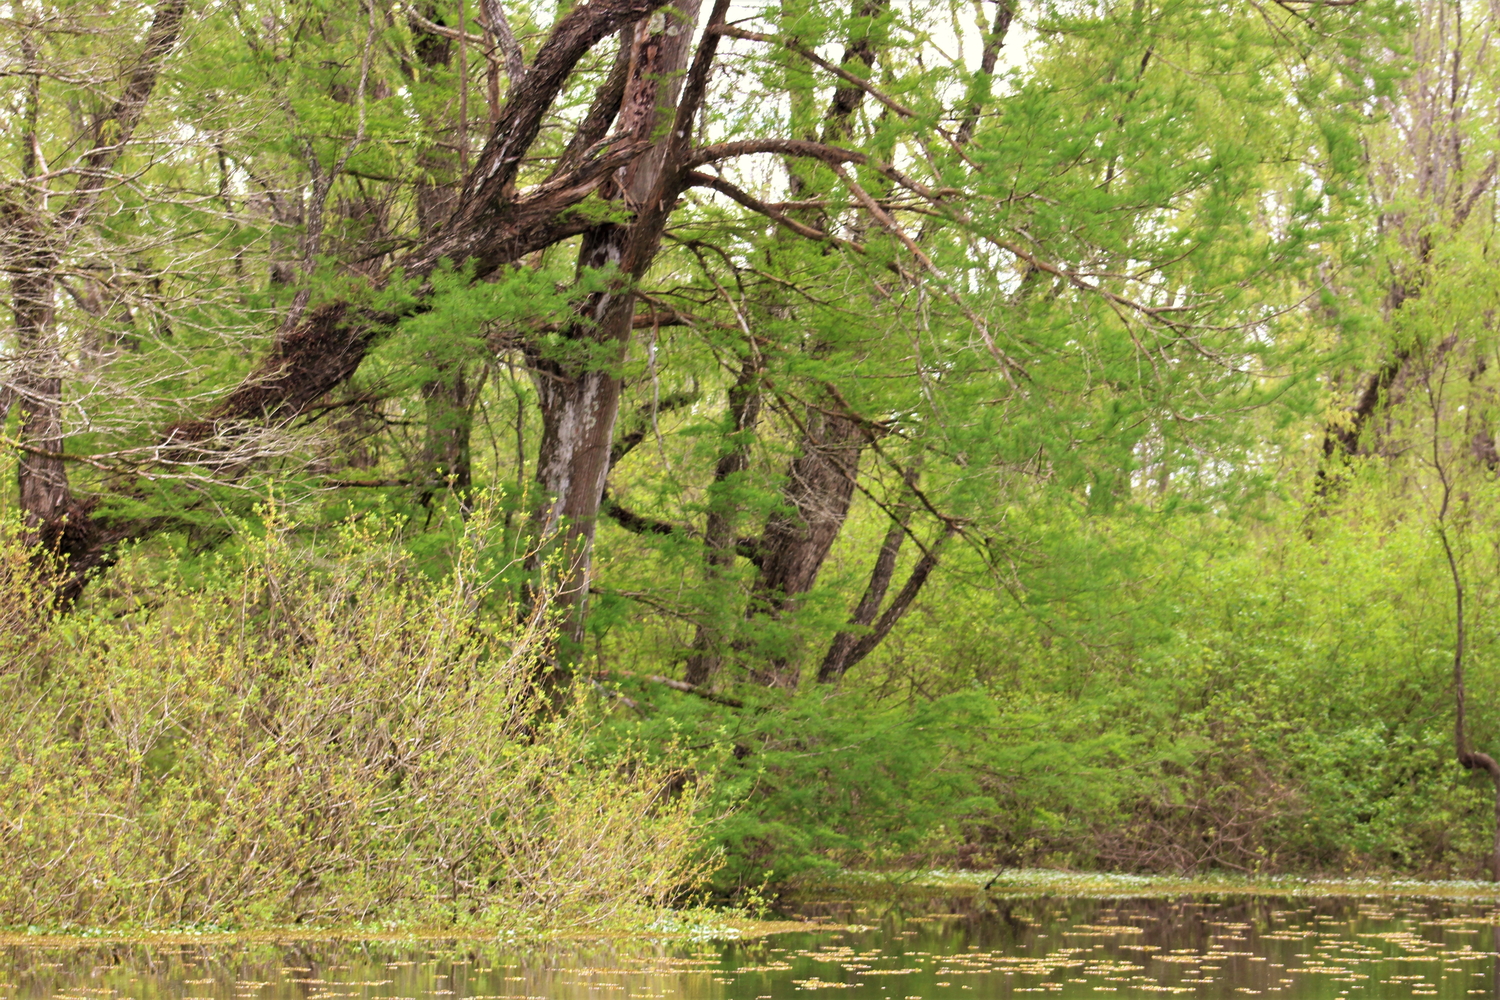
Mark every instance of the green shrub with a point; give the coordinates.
(310, 739)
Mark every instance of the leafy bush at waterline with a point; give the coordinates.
(1283, 703)
(297, 741)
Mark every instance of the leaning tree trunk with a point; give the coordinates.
(42, 475)
(820, 480)
(852, 645)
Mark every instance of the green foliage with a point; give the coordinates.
(1281, 703)
(1097, 347)
(303, 739)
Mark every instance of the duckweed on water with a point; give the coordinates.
(926, 946)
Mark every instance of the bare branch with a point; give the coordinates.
(730, 31)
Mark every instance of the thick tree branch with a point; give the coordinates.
(807, 149)
(636, 524)
(637, 424)
(111, 132)
(699, 179)
(491, 183)
(505, 38)
(692, 689)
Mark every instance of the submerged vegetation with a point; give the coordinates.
(513, 464)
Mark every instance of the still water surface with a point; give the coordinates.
(960, 949)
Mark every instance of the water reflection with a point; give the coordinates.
(951, 948)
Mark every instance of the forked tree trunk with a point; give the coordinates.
(491, 226)
(821, 481)
(849, 647)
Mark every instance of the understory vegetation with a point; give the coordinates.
(295, 738)
(529, 464)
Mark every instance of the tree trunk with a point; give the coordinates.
(490, 227)
(579, 398)
(42, 479)
(42, 475)
(721, 528)
(1467, 757)
(449, 404)
(797, 540)
(578, 382)
(34, 256)
(448, 399)
(821, 481)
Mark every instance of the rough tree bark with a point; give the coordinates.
(491, 225)
(578, 382)
(797, 539)
(820, 479)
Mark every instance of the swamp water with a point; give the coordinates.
(1220, 948)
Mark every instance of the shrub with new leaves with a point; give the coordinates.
(307, 739)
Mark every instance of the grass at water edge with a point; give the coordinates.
(1048, 882)
(668, 926)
